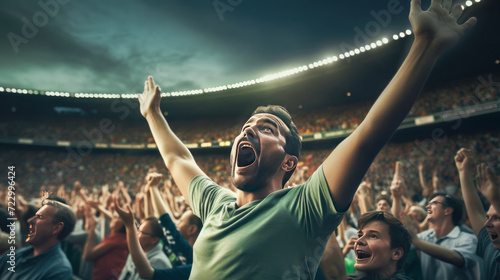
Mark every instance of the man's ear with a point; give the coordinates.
(289, 163)
(448, 211)
(192, 230)
(397, 254)
(58, 228)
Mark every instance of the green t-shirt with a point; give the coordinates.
(282, 236)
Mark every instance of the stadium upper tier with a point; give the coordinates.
(457, 98)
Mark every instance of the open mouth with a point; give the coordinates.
(493, 236)
(362, 255)
(246, 155)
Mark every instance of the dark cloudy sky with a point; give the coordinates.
(111, 46)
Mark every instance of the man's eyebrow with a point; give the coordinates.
(265, 119)
(374, 231)
(271, 122)
(369, 231)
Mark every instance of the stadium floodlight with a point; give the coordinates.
(408, 32)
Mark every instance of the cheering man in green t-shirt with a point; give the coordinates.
(263, 231)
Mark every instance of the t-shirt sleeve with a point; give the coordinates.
(312, 204)
(160, 263)
(466, 247)
(205, 195)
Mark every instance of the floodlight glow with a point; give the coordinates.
(401, 34)
(1, 89)
(477, 1)
(356, 51)
(408, 32)
(373, 45)
(335, 58)
(341, 56)
(367, 47)
(468, 3)
(351, 53)
(14, 90)
(395, 37)
(385, 41)
(379, 43)
(362, 49)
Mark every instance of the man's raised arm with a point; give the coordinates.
(435, 30)
(175, 154)
(473, 205)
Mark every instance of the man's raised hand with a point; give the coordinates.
(150, 98)
(438, 25)
(464, 160)
(488, 183)
(126, 215)
(153, 179)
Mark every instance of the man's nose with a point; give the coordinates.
(360, 241)
(249, 132)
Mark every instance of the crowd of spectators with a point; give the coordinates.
(100, 176)
(51, 169)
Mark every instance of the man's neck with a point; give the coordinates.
(244, 197)
(443, 227)
(44, 247)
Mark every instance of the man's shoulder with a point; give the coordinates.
(426, 234)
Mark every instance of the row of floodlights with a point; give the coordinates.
(263, 79)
